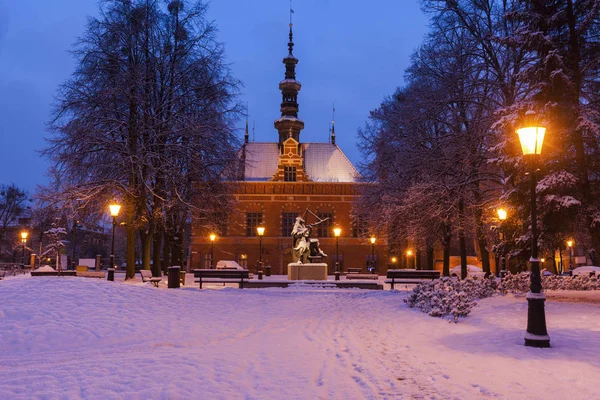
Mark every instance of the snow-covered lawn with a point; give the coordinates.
(77, 338)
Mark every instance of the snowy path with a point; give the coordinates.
(91, 339)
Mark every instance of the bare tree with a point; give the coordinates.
(147, 118)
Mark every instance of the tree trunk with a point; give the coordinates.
(446, 241)
(130, 229)
(462, 240)
(430, 257)
(156, 250)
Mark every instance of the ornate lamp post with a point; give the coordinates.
(76, 226)
(212, 249)
(502, 214)
(260, 230)
(114, 212)
(337, 231)
(24, 235)
(570, 246)
(372, 253)
(531, 137)
(409, 254)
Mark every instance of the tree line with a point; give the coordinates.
(443, 147)
(146, 120)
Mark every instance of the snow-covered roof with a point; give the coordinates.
(323, 162)
(259, 161)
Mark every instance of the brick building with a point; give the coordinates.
(276, 182)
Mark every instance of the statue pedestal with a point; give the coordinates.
(310, 271)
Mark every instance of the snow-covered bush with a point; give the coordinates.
(519, 283)
(446, 296)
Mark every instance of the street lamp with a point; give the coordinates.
(372, 253)
(570, 245)
(23, 242)
(337, 231)
(212, 249)
(531, 137)
(409, 254)
(74, 231)
(114, 212)
(502, 214)
(260, 230)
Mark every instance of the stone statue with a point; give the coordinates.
(305, 248)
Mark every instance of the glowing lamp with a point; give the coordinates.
(114, 209)
(501, 214)
(531, 135)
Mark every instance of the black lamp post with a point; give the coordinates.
(570, 245)
(114, 212)
(212, 249)
(337, 231)
(260, 230)
(372, 253)
(24, 235)
(531, 137)
(502, 214)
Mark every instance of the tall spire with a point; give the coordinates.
(333, 125)
(246, 136)
(289, 123)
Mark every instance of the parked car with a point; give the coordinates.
(228, 264)
(586, 270)
(545, 272)
(472, 271)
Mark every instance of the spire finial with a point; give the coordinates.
(333, 125)
(246, 133)
(291, 42)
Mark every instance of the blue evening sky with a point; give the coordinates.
(352, 53)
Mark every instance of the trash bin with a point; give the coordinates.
(111, 274)
(173, 277)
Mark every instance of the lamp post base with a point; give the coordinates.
(537, 334)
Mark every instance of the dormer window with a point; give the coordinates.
(289, 174)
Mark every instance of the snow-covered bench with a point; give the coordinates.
(147, 277)
(362, 276)
(411, 276)
(221, 276)
(91, 274)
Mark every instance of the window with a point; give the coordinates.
(289, 174)
(360, 227)
(253, 220)
(287, 222)
(324, 228)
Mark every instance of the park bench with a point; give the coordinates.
(353, 271)
(410, 276)
(221, 276)
(91, 274)
(362, 276)
(147, 277)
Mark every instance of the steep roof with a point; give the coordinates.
(323, 162)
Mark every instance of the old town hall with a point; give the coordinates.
(278, 181)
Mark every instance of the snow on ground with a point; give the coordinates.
(78, 338)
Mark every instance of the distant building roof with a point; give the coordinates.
(323, 162)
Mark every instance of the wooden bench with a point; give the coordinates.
(415, 276)
(221, 275)
(147, 277)
(353, 271)
(362, 276)
(91, 274)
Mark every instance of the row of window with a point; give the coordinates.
(324, 229)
